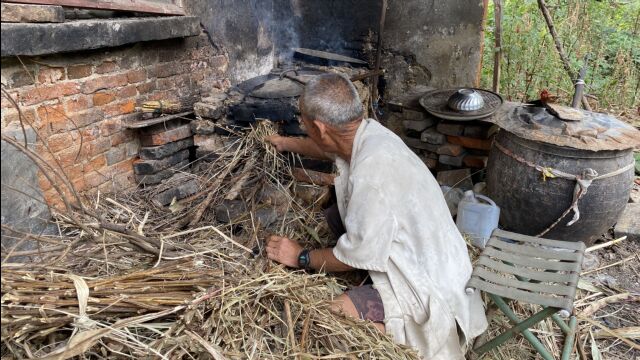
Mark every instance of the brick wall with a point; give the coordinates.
(78, 102)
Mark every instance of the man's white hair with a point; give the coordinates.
(331, 98)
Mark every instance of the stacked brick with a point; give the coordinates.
(79, 102)
(165, 148)
(442, 144)
(211, 135)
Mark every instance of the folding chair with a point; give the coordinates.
(532, 270)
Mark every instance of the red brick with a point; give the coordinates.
(94, 179)
(48, 75)
(168, 136)
(124, 166)
(90, 133)
(49, 92)
(44, 183)
(59, 142)
(450, 150)
(136, 76)
(104, 83)
(161, 95)
(173, 82)
(120, 108)
(52, 115)
(78, 71)
(146, 87)
(470, 143)
(475, 161)
(167, 69)
(75, 171)
(121, 137)
(110, 126)
(5, 103)
(86, 118)
(79, 184)
(127, 92)
(100, 145)
(103, 98)
(95, 164)
(12, 115)
(106, 67)
(71, 156)
(77, 103)
(53, 199)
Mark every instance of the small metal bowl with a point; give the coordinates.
(466, 100)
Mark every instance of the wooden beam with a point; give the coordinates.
(144, 6)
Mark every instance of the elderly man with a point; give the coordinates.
(397, 226)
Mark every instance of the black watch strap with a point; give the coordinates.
(304, 260)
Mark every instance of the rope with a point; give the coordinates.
(583, 181)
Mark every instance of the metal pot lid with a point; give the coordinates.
(435, 102)
(595, 131)
(277, 88)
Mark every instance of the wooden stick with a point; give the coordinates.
(597, 305)
(604, 245)
(374, 85)
(497, 53)
(608, 266)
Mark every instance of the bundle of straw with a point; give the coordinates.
(162, 107)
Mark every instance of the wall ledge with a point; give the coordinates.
(41, 39)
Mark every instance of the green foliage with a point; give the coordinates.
(607, 30)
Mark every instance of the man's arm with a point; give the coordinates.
(303, 146)
(286, 251)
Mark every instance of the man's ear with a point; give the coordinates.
(322, 128)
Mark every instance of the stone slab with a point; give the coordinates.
(208, 111)
(181, 191)
(408, 114)
(453, 129)
(418, 125)
(456, 161)
(24, 13)
(203, 127)
(22, 210)
(148, 167)
(417, 144)
(77, 35)
(159, 176)
(162, 151)
(629, 222)
(476, 131)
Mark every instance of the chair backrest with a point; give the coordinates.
(529, 269)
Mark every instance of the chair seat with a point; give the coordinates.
(529, 269)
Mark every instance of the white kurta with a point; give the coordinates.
(399, 228)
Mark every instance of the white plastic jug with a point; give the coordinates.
(477, 219)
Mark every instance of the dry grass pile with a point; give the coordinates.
(123, 277)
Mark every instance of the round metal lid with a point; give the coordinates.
(435, 102)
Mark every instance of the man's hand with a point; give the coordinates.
(283, 250)
(279, 142)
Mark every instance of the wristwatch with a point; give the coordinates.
(304, 260)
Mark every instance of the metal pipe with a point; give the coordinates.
(568, 341)
(537, 345)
